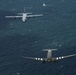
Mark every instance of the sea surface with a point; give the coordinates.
(56, 29)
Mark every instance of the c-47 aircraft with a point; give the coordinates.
(24, 16)
(49, 57)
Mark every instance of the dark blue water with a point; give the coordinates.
(56, 29)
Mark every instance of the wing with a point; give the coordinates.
(13, 16)
(33, 58)
(29, 16)
(68, 56)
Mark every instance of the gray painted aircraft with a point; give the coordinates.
(49, 57)
(24, 16)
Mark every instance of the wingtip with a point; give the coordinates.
(6, 16)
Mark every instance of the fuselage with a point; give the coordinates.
(24, 17)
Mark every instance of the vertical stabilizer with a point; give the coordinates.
(24, 12)
(24, 9)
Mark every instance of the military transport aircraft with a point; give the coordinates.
(24, 16)
(49, 57)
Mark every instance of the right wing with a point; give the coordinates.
(29, 16)
(13, 16)
(68, 56)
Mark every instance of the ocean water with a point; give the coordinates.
(56, 29)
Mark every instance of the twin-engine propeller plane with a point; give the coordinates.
(49, 57)
(24, 16)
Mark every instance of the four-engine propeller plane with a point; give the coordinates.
(49, 57)
(24, 16)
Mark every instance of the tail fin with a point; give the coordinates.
(24, 12)
(24, 9)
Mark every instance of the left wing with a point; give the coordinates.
(28, 16)
(33, 58)
(13, 16)
(68, 56)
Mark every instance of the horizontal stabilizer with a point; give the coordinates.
(23, 13)
(50, 49)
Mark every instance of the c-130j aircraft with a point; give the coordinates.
(49, 57)
(24, 16)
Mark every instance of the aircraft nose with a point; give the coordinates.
(23, 20)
